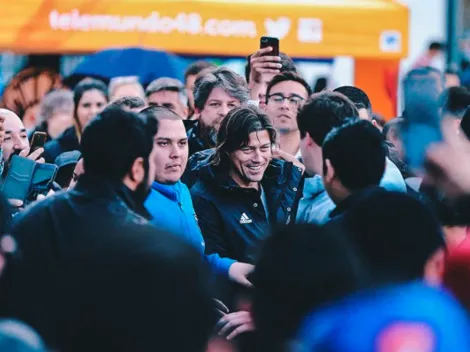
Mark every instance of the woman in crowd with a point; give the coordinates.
(90, 97)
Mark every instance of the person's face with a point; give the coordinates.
(16, 137)
(127, 90)
(364, 114)
(312, 156)
(171, 151)
(394, 138)
(284, 101)
(91, 104)
(249, 163)
(218, 104)
(169, 100)
(77, 172)
(190, 88)
(59, 122)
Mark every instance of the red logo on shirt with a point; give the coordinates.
(406, 337)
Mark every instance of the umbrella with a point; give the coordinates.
(147, 64)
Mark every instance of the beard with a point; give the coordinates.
(208, 134)
(143, 189)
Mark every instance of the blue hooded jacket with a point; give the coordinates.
(172, 210)
(412, 315)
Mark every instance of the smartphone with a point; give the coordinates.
(272, 42)
(43, 176)
(37, 141)
(422, 119)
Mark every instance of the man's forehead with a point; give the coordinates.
(171, 129)
(12, 121)
(289, 88)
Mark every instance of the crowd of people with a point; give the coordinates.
(230, 213)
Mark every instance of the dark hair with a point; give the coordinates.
(222, 77)
(323, 112)
(465, 123)
(301, 268)
(129, 102)
(113, 140)
(158, 113)
(80, 89)
(357, 151)
(287, 76)
(437, 46)
(395, 235)
(454, 101)
(320, 84)
(235, 130)
(196, 67)
(286, 62)
(357, 96)
(395, 126)
(423, 72)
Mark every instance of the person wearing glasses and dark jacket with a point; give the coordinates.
(241, 190)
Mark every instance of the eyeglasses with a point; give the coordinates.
(294, 100)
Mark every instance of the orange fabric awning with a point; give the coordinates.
(307, 28)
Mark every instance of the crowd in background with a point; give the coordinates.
(230, 213)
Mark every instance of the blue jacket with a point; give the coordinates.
(172, 210)
(412, 314)
(316, 206)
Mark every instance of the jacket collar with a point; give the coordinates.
(169, 191)
(354, 199)
(113, 191)
(195, 139)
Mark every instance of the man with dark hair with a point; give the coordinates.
(325, 111)
(402, 250)
(216, 92)
(285, 95)
(431, 57)
(454, 103)
(87, 251)
(169, 201)
(360, 100)
(242, 190)
(190, 77)
(169, 93)
(353, 163)
(134, 104)
(260, 69)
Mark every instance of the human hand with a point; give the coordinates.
(260, 65)
(234, 324)
(282, 155)
(36, 155)
(238, 272)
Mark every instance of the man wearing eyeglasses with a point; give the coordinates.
(285, 95)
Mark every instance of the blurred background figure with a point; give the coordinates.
(452, 78)
(55, 113)
(125, 87)
(168, 93)
(432, 57)
(320, 84)
(190, 77)
(90, 97)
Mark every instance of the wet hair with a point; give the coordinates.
(357, 145)
(323, 112)
(113, 140)
(286, 62)
(301, 268)
(83, 87)
(196, 67)
(287, 76)
(233, 84)
(357, 96)
(235, 130)
(129, 102)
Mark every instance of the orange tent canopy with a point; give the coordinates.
(306, 28)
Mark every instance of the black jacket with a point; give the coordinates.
(196, 144)
(233, 219)
(57, 238)
(66, 142)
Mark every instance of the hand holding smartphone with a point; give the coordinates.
(37, 141)
(266, 42)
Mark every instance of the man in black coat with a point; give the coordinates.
(241, 190)
(93, 273)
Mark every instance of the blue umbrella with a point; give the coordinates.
(145, 63)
